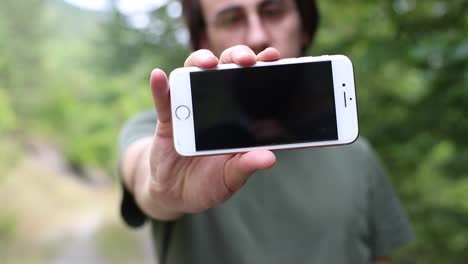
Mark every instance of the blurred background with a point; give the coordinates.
(72, 72)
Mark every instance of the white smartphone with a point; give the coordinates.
(290, 103)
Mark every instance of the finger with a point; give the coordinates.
(240, 54)
(269, 54)
(242, 166)
(202, 58)
(160, 92)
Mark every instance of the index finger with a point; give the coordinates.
(240, 55)
(203, 58)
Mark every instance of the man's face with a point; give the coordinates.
(256, 23)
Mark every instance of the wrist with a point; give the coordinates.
(139, 182)
(154, 203)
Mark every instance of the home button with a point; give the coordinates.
(182, 112)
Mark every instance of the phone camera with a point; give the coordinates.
(344, 84)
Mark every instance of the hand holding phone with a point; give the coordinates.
(180, 184)
(290, 103)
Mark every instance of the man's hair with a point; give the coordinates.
(308, 12)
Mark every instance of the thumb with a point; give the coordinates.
(161, 98)
(239, 168)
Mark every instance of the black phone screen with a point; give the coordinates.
(262, 106)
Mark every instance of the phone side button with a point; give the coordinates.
(182, 112)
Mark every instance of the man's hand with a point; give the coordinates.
(172, 185)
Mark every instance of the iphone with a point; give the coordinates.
(290, 103)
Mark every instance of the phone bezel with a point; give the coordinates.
(345, 105)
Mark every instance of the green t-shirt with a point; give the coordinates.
(325, 205)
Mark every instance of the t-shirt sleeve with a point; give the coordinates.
(389, 226)
(141, 126)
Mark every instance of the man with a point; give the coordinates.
(328, 205)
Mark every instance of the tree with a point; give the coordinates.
(21, 51)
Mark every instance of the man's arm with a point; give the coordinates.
(390, 228)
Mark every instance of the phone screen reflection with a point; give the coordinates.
(263, 106)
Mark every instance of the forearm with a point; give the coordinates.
(137, 178)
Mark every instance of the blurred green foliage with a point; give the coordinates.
(411, 66)
(7, 227)
(73, 77)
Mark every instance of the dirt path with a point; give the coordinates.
(61, 220)
(82, 246)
